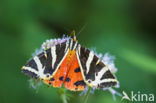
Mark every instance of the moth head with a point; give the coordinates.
(73, 36)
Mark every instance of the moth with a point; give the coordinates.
(70, 64)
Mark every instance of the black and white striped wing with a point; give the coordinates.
(94, 71)
(45, 64)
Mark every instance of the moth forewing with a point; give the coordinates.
(45, 64)
(95, 73)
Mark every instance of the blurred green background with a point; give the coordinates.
(124, 28)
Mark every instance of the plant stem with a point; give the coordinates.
(64, 100)
(62, 94)
(87, 95)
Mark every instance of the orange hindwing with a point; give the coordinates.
(69, 73)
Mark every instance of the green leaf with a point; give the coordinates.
(144, 62)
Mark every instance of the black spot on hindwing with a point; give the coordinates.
(77, 70)
(52, 79)
(67, 79)
(81, 83)
(61, 78)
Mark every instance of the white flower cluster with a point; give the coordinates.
(108, 60)
(52, 42)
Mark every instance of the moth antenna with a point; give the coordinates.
(74, 35)
(82, 28)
